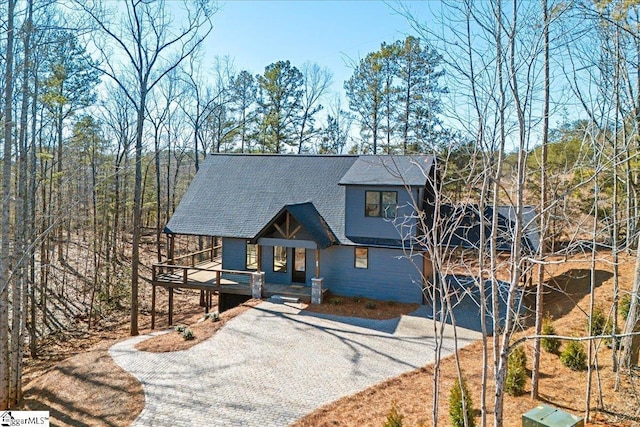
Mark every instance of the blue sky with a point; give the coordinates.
(330, 33)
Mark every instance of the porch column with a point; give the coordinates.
(259, 256)
(316, 290)
(257, 283)
(428, 277)
(172, 247)
(317, 282)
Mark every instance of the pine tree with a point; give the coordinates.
(280, 101)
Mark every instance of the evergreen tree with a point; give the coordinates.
(280, 102)
(418, 96)
(396, 94)
(364, 92)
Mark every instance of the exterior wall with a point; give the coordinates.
(234, 254)
(267, 266)
(359, 225)
(389, 275)
(234, 257)
(387, 278)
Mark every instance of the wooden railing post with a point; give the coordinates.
(153, 305)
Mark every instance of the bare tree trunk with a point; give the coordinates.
(495, 310)
(516, 245)
(596, 198)
(32, 197)
(137, 213)
(535, 371)
(19, 286)
(5, 227)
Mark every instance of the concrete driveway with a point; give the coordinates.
(274, 363)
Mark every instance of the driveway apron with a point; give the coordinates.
(274, 364)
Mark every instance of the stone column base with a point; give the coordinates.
(316, 290)
(257, 283)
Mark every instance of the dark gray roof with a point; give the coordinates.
(236, 195)
(389, 170)
(307, 216)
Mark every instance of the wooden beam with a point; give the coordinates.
(317, 263)
(287, 225)
(172, 247)
(170, 306)
(153, 305)
(280, 230)
(259, 256)
(293, 233)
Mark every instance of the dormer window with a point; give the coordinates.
(381, 204)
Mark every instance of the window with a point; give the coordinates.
(252, 257)
(280, 259)
(381, 204)
(362, 258)
(300, 259)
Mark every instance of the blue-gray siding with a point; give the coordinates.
(234, 254)
(359, 225)
(389, 276)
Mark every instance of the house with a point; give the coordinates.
(341, 223)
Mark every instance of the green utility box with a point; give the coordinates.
(548, 416)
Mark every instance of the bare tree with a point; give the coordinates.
(316, 83)
(5, 226)
(151, 47)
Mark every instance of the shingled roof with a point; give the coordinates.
(236, 195)
(389, 170)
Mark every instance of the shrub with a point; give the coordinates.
(336, 300)
(574, 357)
(608, 330)
(370, 305)
(516, 372)
(394, 417)
(549, 344)
(180, 328)
(456, 412)
(597, 322)
(214, 316)
(624, 306)
(187, 334)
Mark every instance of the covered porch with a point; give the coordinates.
(202, 270)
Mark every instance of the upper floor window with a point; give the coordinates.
(381, 203)
(252, 257)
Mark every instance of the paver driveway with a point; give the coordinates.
(273, 364)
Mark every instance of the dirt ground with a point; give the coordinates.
(80, 384)
(567, 300)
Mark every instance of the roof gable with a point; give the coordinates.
(306, 217)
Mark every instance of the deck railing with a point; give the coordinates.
(172, 276)
(158, 270)
(211, 255)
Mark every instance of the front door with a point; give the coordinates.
(299, 265)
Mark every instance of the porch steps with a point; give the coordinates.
(284, 299)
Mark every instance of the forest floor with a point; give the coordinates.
(79, 384)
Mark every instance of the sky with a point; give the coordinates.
(330, 33)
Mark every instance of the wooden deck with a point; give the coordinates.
(212, 279)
